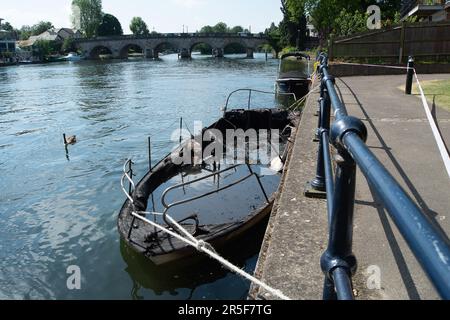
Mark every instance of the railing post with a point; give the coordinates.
(317, 187)
(339, 253)
(338, 262)
(410, 75)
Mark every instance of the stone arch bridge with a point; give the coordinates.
(153, 44)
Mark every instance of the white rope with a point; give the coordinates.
(373, 65)
(434, 128)
(437, 136)
(205, 247)
(297, 103)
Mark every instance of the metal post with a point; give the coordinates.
(318, 184)
(410, 74)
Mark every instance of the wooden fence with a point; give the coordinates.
(422, 40)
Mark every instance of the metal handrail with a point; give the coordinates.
(347, 134)
(250, 91)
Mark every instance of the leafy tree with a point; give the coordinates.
(221, 27)
(293, 25)
(7, 26)
(236, 29)
(273, 33)
(68, 45)
(138, 26)
(87, 16)
(25, 32)
(325, 14)
(207, 29)
(44, 48)
(348, 23)
(110, 26)
(41, 27)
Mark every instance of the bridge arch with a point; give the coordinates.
(205, 47)
(125, 51)
(235, 47)
(99, 50)
(164, 45)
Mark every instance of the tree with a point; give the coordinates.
(110, 26)
(7, 26)
(221, 27)
(273, 33)
(68, 45)
(138, 26)
(207, 29)
(24, 32)
(41, 27)
(236, 29)
(43, 48)
(348, 23)
(325, 14)
(293, 26)
(87, 16)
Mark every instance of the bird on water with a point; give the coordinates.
(69, 140)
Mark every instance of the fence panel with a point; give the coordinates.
(424, 40)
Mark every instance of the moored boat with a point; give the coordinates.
(294, 74)
(215, 200)
(72, 56)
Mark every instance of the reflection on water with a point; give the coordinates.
(56, 213)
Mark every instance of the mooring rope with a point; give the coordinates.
(437, 136)
(205, 247)
(297, 103)
(374, 65)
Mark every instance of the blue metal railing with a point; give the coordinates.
(347, 134)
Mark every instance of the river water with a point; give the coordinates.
(60, 209)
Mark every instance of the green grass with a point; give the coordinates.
(436, 88)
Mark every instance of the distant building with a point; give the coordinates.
(428, 10)
(7, 41)
(56, 35)
(310, 29)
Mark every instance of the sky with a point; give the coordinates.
(160, 15)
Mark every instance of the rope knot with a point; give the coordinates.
(201, 245)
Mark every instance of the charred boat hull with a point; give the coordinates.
(162, 248)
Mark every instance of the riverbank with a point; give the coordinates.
(401, 138)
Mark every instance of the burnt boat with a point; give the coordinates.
(294, 75)
(214, 200)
